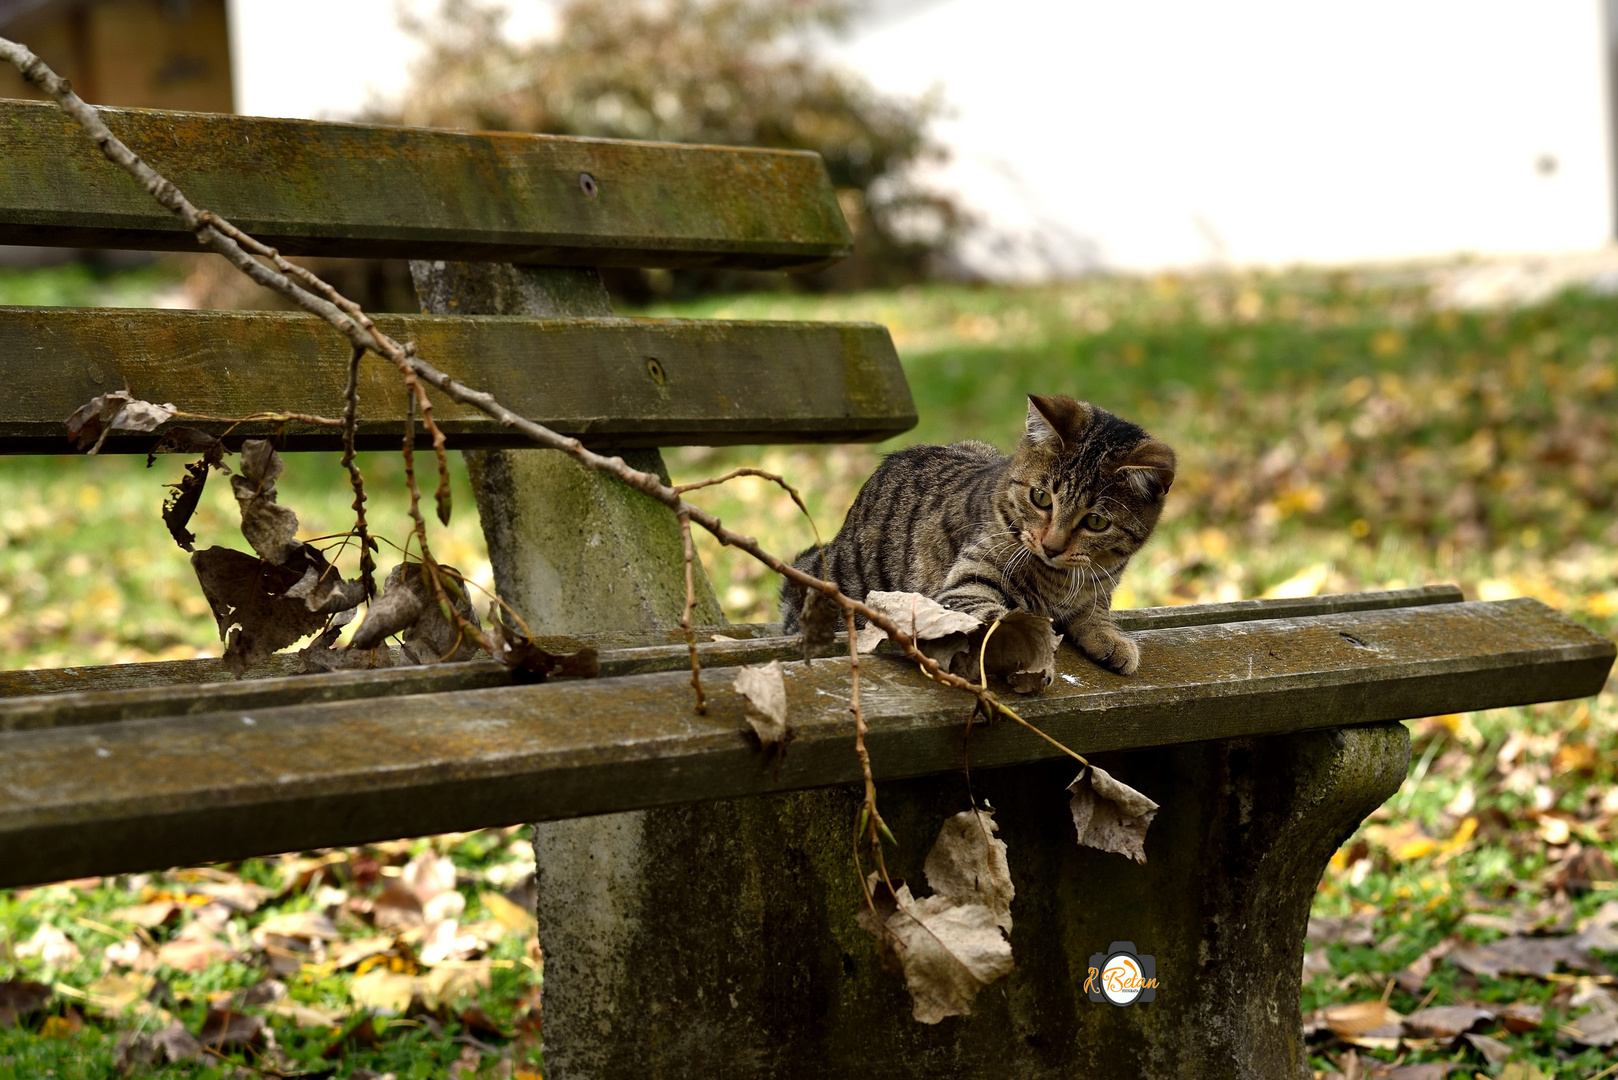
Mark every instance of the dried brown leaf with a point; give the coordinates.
(938, 631)
(520, 654)
(97, 418)
(226, 1029)
(1521, 1017)
(1492, 1050)
(188, 440)
(948, 952)
(1361, 1018)
(1522, 955)
(20, 998)
(269, 527)
(1447, 1021)
(179, 506)
(248, 598)
(968, 864)
(394, 612)
(194, 950)
(409, 607)
(1344, 929)
(821, 618)
(766, 694)
(1109, 815)
(1022, 651)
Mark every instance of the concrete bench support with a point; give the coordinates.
(718, 941)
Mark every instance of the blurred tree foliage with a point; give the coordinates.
(738, 72)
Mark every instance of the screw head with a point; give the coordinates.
(587, 184)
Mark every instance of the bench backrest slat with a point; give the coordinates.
(618, 382)
(354, 190)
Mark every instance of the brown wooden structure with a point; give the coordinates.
(696, 898)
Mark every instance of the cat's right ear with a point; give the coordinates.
(1052, 421)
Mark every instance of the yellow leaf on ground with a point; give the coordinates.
(383, 990)
(512, 915)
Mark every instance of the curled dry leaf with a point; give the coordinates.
(226, 1029)
(946, 951)
(766, 694)
(1362, 1018)
(182, 503)
(968, 864)
(1109, 815)
(249, 602)
(271, 528)
(409, 607)
(519, 653)
(1021, 649)
(821, 618)
(97, 418)
(1523, 955)
(321, 588)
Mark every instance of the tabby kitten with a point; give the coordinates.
(1048, 529)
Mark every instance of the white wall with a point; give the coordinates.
(1154, 133)
(1158, 133)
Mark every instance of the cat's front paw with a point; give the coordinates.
(1125, 658)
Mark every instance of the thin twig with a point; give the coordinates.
(351, 414)
(312, 294)
(685, 616)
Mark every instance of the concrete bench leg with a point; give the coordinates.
(718, 941)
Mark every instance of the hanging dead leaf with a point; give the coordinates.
(968, 864)
(394, 612)
(188, 440)
(321, 588)
(97, 418)
(821, 617)
(766, 694)
(409, 606)
(182, 503)
(248, 598)
(1021, 649)
(269, 527)
(1109, 815)
(947, 951)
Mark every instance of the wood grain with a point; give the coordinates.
(352, 190)
(125, 796)
(609, 381)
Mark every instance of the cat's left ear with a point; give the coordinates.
(1056, 420)
(1149, 468)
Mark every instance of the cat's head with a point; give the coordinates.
(1085, 487)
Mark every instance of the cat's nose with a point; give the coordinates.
(1053, 552)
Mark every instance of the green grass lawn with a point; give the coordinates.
(1336, 431)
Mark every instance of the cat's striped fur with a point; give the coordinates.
(1049, 529)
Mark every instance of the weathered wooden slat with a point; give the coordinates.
(618, 382)
(133, 795)
(62, 696)
(346, 189)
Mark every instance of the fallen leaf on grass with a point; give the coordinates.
(445, 941)
(193, 952)
(1415, 974)
(171, 1045)
(1362, 1018)
(350, 953)
(383, 990)
(1522, 1017)
(1110, 816)
(1492, 1050)
(1446, 1021)
(53, 947)
(112, 993)
(1521, 955)
(20, 998)
(308, 1016)
(227, 1029)
(1598, 1024)
(766, 694)
(1342, 929)
(968, 864)
(452, 982)
(301, 925)
(1431, 1070)
(513, 916)
(397, 907)
(1520, 1070)
(157, 913)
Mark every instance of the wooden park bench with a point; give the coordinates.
(696, 897)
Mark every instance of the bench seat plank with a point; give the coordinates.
(124, 796)
(609, 381)
(60, 697)
(316, 188)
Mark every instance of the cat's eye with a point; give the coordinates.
(1095, 523)
(1040, 498)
